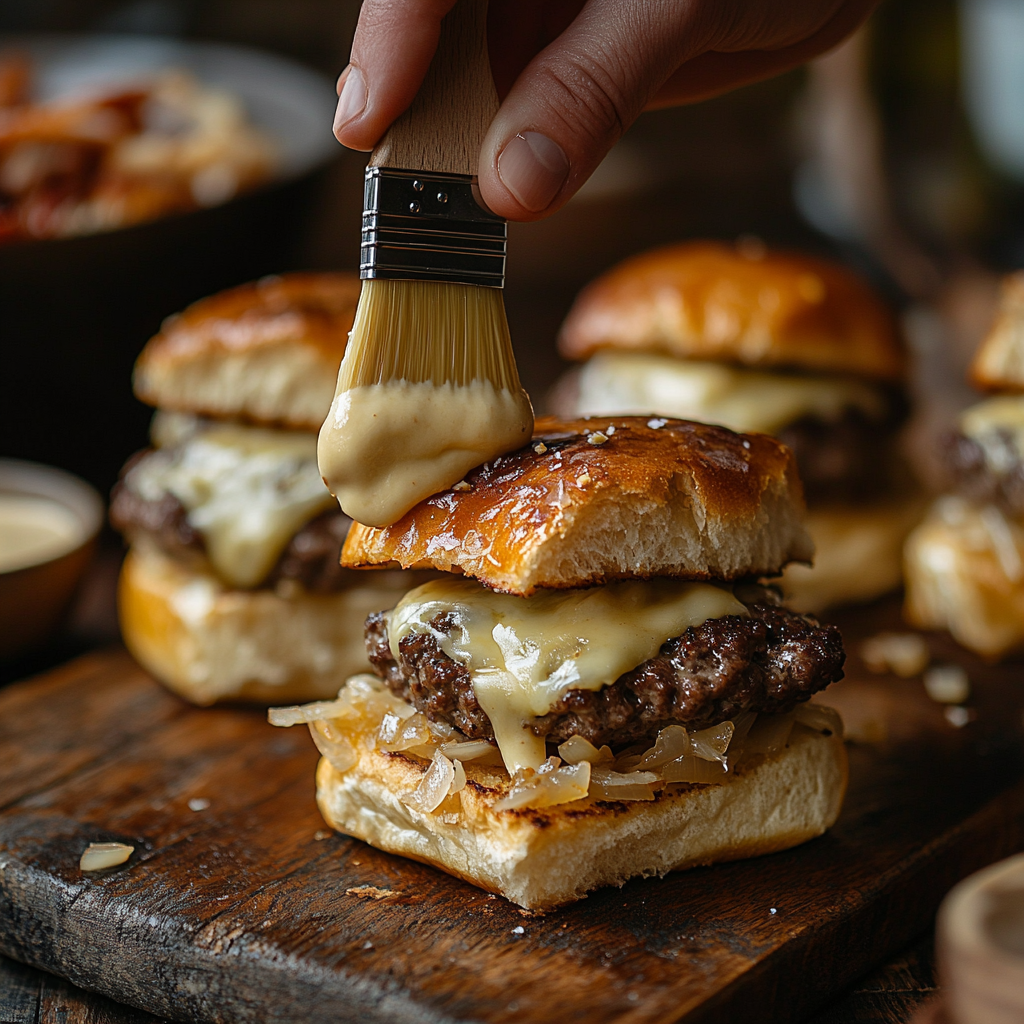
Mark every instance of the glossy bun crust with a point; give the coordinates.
(267, 352)
(999, 364)
(593, 500)
(705, 300)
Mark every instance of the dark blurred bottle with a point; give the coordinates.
(914, 131)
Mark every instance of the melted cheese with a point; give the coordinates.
(524, 654)
(385, 447)
(246, 490)
(997, 425)
(619, 384)
(34, 530)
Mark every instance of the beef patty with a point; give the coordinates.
(312, 556)
(974, 476)
(768, 662)
(848, 459)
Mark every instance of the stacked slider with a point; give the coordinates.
(232, 588)
(965, 562)
(598, 687)
(763, 341)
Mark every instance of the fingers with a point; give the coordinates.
(573, 101)
(391, 51)
(714, 72)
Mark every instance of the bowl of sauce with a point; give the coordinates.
(980, 946)
(49, 520)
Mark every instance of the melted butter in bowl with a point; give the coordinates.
(34, 530)
(48, 524)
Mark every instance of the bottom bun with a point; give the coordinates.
(210, 643)
(965, 573)
(543, 857)
(858, 555)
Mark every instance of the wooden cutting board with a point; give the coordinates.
(238, 905)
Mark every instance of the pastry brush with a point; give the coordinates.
(431, 311)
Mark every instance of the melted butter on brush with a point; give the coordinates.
(428, 389)
(385, 447)
(525, 653)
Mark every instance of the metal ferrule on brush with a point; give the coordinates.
(426, 226)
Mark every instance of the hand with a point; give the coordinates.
(573, 75)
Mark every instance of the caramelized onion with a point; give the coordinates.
(548, 786)
(334, 744)
(711, 744)
(768, 735)
(434, 786)
(396, 734)
(673, 742)
(298, 714)
(694, 769)
(471, 750)
(820, 718)
(608, 785)
(576, 749)
(459, 781)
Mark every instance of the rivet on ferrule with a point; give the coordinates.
(429, 227)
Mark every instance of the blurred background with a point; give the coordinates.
(902, 153)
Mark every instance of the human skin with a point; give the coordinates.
(573, 75)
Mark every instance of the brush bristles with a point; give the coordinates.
(422, 331)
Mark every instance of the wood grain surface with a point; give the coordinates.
(245, 909)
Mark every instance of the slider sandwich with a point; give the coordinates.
(965, 562)
(774, 342)
(232, 588)
(598, 687)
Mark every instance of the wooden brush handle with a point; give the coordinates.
(443, 128)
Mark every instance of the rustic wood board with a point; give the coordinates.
(247, 910)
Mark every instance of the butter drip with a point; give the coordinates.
(997, 425)
(524, 654)
(619, 384)
(246, 490)
(385, 447)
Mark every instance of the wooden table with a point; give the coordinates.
(889, 995)
(929, 803)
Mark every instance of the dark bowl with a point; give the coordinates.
(34, 597)
(75, 312)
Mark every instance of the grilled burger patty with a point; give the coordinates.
(847, 459)
(767, 662)
(312, 556)
(973, 475)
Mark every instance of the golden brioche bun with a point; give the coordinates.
(209, 643)
(858, 554)
(999, 363)
(267, 352)
(963, 571)
(540, 858)
(686, 500)
(706, 300)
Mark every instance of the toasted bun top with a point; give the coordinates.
(705, 300)
(999, 364)
(593, 500)
(267, 352)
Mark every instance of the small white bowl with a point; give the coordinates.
(980, 945)
(39, 574)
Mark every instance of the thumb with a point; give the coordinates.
(574, 100)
